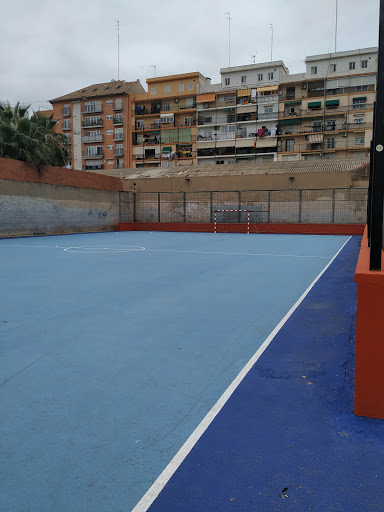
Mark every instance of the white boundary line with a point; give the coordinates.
(241, 253)
(159, 484)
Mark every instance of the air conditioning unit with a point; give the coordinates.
(344, 134)
(176, 100)
(303, 85)
(306, 137)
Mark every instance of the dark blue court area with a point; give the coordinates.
(116, 348)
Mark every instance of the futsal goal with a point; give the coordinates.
(238, 212)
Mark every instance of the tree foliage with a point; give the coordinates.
(31, 139)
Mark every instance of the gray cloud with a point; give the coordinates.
(51, 48)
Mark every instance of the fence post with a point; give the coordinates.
(134, 206)
(184, 208)
(238, 206)
(211, 207)
(333, 205)
(269, 207)
(300, 205)
(158, 206)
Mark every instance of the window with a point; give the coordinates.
(290, 110)
(110, 161)
(359, 103)
(260, 77)
(67, 110)
(109, 117)
(317, 126)
(139, 125)
(93, 150)
(314, 70)
(118, 134)
(167, 89)
(289, 144)
(190, 102)
(109, 102)
(227, 81)
(268, 110)
(109, 132)
(359, 120)
(333, 68)
(153, 91)
(110, 147)
(119, 150)
(330, 143)
(330, 156)
(166, 119)
(67, 124)
(243, 79)
(181, 87)
(270, 76)
(190, 86)
(364, 64)
(359, 141)
(331, 125)
(188, 121)
(291, 93)
(352, 65)
(166, 106)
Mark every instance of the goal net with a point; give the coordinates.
(231, 216)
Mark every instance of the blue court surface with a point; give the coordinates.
(229, 355)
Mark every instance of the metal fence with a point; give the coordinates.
(314, 206)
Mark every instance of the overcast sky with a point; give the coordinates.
(49, 48)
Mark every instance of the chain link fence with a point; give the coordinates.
(313, 206)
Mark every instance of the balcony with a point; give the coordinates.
(216, 120)
(92, 138)
(243, 118)
(118, 106)
(118, 136)
(117, 120)
(141, 111)
(89, 123)
(156, 156)
(87, 156)
(219, 136)
(65, 126)
(118, 152)
(268, 115)
(92, 109)
(66, 111)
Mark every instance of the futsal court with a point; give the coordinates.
(182, 372)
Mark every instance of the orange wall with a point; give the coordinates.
(369, 368)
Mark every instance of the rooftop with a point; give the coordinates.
(97, 90)
(325, 56)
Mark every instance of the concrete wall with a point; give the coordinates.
(55, 200)
(34, 208)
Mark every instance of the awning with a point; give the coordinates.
(243, 92)
(167, 115)
(205, 98)
(294, 120)
(361, 98)
(294, 102)
(316, 138)
(332, 103)
(314, 104)
(266, 142)
(245, 143)
(206, 144)
(166, 149)
(269, 88)
(230, 143)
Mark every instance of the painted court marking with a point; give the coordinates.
(91, 249)
(171, 468)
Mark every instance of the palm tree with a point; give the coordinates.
(31, 140)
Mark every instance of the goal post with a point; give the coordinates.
(238, 211)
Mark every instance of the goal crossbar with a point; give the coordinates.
(245, 211)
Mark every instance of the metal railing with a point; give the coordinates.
(118, 120)
(92, 110)
(93, 156)
(92, 138)
(87, 123)
(313, 206)
(65, 126)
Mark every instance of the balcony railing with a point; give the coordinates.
(117, 120)
(118, 136)
(87, 123)
(96, 155)
(118, 152)
(92, 110)
(92, 138)
(65, 126)
(156, 156)
(219, 136)
(268, 115)
(216, 120)
(65, 111)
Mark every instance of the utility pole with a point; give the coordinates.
(337, 8)
(229, 38)
(377, 158)
(118, 48)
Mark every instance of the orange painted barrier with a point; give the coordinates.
(369, 376)
(291, 229)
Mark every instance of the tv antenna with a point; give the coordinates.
(271, 29)
(117, 23)
(229, 37)
(154, 67)
(253, 58)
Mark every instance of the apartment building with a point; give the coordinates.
(237, 119)
(164, 121)
(97, 123)
(327, 112)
